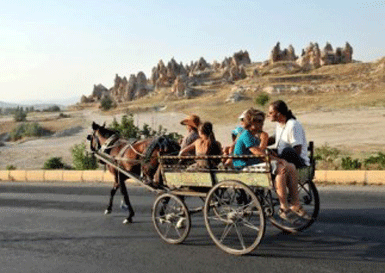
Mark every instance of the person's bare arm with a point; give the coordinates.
(187, 149)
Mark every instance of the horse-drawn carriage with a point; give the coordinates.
(236, 203)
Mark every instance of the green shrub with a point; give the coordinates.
(20, 114)
(54, 163)
(326, 153)
(127, 129)
(82, 159)
(10, 167)
(378, 160)
(28, 130)
(106, 103)
(350, 164)
(262, 99)
(53, 108)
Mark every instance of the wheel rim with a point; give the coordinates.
(309, 200)
(171, 218)
(234, 217)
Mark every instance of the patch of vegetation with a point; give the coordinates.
(19, 114)
(28, 130)
(82, 159)
(10, 167)
(106, 103)
(262, 99)
(376, 161)
(53, 108)
(326, 153)
(350, 164)
(54, 163)
(127, 129)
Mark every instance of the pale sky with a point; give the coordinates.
(55, 50)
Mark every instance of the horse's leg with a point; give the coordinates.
(112, 194)
(123, 190)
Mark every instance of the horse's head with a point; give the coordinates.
(99, 136)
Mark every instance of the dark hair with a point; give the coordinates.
(281, 107)
(252, 115)
(207, 129)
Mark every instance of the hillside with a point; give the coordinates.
(342, 86)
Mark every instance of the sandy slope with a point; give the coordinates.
(357, 130)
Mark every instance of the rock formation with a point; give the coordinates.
(312, 56)
(277, 54)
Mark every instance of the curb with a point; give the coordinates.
(360, 177)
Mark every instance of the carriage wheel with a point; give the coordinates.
(309, 200)
(171, 218)
(234, 217)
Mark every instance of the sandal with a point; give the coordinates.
(287, 215)
(301, 213)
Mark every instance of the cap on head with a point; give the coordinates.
(192, 120)
(242, 116)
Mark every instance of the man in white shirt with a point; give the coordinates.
(289, 139)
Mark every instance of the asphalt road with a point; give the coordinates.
(61, 228)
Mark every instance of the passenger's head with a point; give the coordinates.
(241, 118)
(254, 119)
(279, 109)
(206, 129)
(192, 122)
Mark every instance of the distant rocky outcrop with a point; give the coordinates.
(288, 54)
(312, 57)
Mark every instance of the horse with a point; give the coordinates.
(138, 157)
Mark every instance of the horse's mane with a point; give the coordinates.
(107, 132)
(164, 143)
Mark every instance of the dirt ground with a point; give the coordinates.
(358, 132)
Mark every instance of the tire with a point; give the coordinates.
(234, 217)
(171, 218)
(309, 200)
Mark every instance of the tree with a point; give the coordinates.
(20, 114)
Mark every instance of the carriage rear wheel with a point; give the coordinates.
(234, 217)
(171, 218)
(309, 200)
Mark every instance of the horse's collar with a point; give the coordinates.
(109, 141)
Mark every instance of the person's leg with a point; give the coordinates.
(280, 187)
(292, 184)
(291, 156)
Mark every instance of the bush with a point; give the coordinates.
(350, 164)
(54, 163)
(10, 167)
(262, 99)
(28, 130)
(326, 153)
(128, 129)
(106, 103)
(82, 159)
(20, 114)
(378, 160)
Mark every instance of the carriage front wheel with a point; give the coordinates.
(171, 218)
(234, 217)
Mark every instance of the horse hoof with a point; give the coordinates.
(127, 221)
(107, 211)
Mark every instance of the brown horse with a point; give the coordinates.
(138, 157)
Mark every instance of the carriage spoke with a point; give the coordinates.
(240, 237)
(250, 225)
(226, 231)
